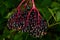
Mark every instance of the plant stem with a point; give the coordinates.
(53, 24)
(33, 4)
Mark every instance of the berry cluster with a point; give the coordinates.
(28, 20)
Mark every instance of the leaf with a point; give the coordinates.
(52, 13)
(58, 16)
(55, 5)
(18, 36)
(45, 12)
(43, 3)
(11, 13)
(46, 3)
(56, 10)
(42, 7)
(3, 10)
(6, 32)
(2, 23)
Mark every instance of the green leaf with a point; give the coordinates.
(43, 3)
(3, 10)
(56, 10)
(45, 12)
(11, 13)
(18, 36)
(52, 13)
(2, 23)
(46, 3)
(58, 16)
(55, 5)
(6, 32)
(11, 3)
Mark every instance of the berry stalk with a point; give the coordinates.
(18, 8)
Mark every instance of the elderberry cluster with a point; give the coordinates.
(29, 21)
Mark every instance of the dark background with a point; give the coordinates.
(49, 9)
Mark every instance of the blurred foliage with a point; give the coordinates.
(49, 9)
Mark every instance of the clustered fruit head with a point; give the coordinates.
(28, 19)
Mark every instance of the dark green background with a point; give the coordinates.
(49, 9)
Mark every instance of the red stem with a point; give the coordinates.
(33, 4)
(20, 4)
(25, 4)
(18, 8)
(34, 7)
